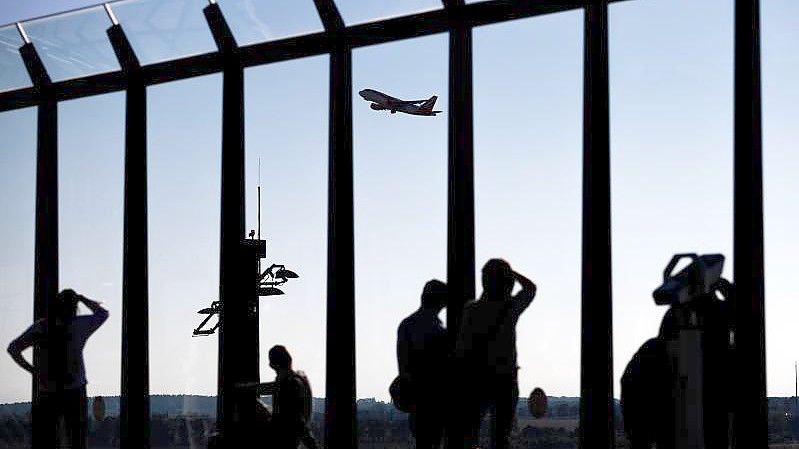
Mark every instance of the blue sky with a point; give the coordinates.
(671, 135)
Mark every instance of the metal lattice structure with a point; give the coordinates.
(338, 40)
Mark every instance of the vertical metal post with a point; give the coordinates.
(238, 353)
(340, 406)
(134, 407)
(460, 205)
(750, 421)
(596, 360)
(46, 244)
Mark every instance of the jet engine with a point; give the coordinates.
(376, 107)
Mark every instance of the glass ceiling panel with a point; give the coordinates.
(161, 30)
(74, 44)
(13, 74)
(254, 21)
(359, 11)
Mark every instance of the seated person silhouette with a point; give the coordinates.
(485, 354)
(422, 358)
(291, 403)
(62, 386)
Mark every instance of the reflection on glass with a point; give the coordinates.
(74, 44)
(359, 11)
(255, 21)
(160, 30)
(12, 69)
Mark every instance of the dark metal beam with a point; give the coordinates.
(596, 361)
(750, 422)
(238, 351)
(460, 204)
(340, 407)
(46, 357)
(383, 31)
(134, 407)
(329, 15)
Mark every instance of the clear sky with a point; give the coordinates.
(671, 70)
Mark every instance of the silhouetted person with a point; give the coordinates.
(62, 391)
(422, 355)
(648, 385)
(485, 353)
(291, 403)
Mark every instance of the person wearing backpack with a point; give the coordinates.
(485, 354)
(291, 403)
(422, 356)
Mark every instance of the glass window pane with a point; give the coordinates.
(183, 160)
(400, 196)
(780, 184)
(671, 86)
(287, 106)
(74, 44)
(258, 21)
(528, 199)
(18, 203)
(13, 74)
(161, 30)
(359, 11)
(91, 180)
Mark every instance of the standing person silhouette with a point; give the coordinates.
(291, 402)
(485, 353)
(422, 355)
(63, 388)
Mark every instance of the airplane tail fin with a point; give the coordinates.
(428, 105)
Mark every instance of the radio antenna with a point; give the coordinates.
(259, 198)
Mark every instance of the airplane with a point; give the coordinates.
(381, 101)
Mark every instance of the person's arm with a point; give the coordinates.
(523, 299)
(24, 341)
(99, 314)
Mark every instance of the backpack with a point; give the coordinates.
(402, 394)
(646, 401)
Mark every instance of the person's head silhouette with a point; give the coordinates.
(67, 301)
(434, 295)
(279, 358)
(497, 279)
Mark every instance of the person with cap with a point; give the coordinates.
(485, 353)
(422, 355)
(62, 385)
